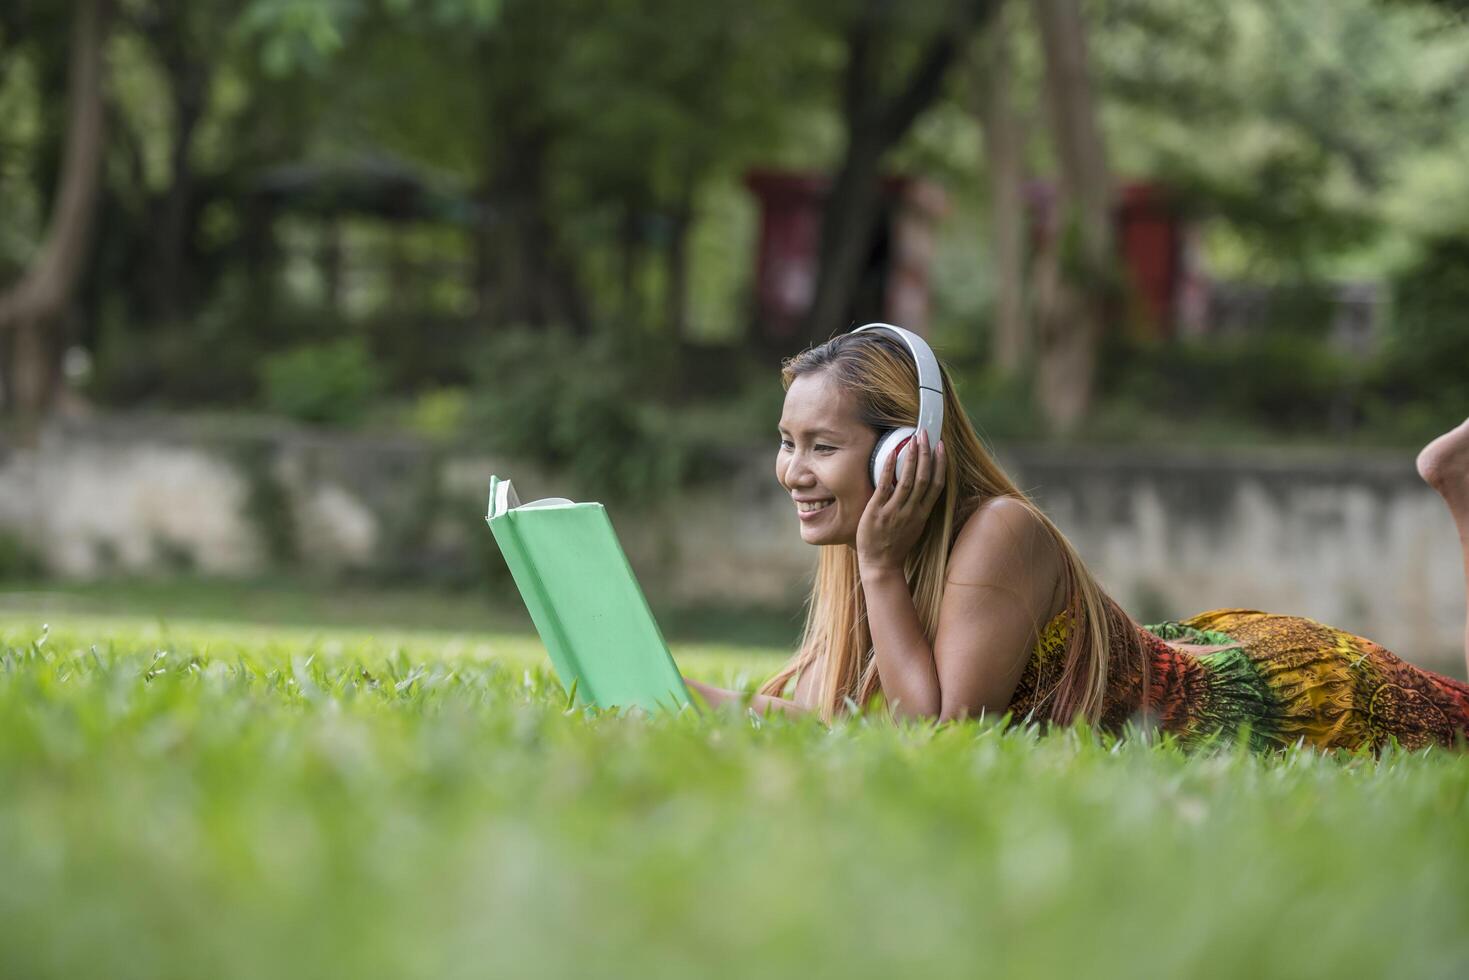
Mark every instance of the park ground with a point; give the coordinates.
(304, 784)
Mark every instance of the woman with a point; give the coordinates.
(946, 592)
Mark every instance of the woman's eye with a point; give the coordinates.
(787, 444)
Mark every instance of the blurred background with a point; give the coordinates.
(283, 281)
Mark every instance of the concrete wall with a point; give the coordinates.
(1351, 539)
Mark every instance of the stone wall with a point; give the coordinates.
(1353, 539)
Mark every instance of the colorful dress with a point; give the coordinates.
(1285, 679)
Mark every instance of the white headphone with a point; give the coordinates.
(930, 403)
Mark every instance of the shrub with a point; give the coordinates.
(210, 358)
(439, 413)
(332, 382)
(589, 405)
(1285, 380)
(17, 561)
(1002, 408)
(1420, 385)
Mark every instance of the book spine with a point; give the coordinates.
(533, 590)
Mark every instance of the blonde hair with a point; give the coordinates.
(836, 645)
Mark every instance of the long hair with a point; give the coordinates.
(836, 645)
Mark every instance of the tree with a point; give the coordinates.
(33, 308)
(1076, 287)
(1004, 146)
(672, 97)
(875, 118)
(1321, 119)
(186, 38)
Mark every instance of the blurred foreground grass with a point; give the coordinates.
(251, 801)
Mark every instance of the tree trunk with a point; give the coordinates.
(329, 259)
(174, 288)
(179, 34)
(527, 265)
(484, 255)
(1076, 296)
(1004, 142)
(875, 124)
(543, 286)
(676, 278)
(849, 221)
(34, 306)
(630, 262)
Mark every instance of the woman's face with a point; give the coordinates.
(823, 457)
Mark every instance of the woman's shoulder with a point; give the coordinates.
(1004, 522)
(1002, 539)
(1003, 515)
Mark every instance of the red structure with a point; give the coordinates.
(895, 284)
(1154, 242)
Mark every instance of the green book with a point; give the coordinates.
(585, 601)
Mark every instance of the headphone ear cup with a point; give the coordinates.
(889, 442)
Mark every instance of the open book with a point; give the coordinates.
(585, 601)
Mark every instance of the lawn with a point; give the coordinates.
(217, 799)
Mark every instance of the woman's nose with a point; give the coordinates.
(797, 472)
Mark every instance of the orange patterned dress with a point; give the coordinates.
(1283, 680)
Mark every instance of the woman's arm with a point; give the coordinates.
(891, 524)
(905, 665)
(1002, 574)
(763, 703)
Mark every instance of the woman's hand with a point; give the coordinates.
(713, 696)
(896, 513)
(717, 697)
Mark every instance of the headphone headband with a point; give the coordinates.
(930, 379)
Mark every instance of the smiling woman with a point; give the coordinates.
(947, 539)
(942, 590)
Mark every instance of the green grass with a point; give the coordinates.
(214, 799)
(310, 602)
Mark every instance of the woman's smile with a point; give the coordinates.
(811, 511)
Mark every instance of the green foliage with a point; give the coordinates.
(439, 414)
(299, 35)
(1312, 129)
(1425, 363)
(18, 561)
(332, 382)
(583, 404)
(301, 804)
(214, 359)
(581, 152)
(1002, 408)
(1288, 380)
